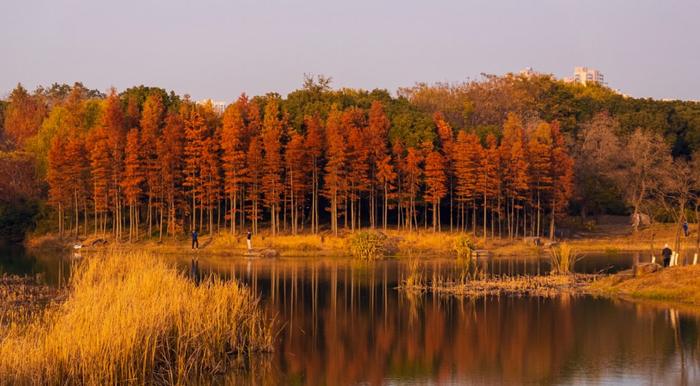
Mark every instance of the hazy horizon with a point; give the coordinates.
(219, 49)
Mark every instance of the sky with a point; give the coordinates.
(218, 49)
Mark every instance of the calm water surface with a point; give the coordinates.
(342, 322)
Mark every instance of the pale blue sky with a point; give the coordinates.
(218, 49)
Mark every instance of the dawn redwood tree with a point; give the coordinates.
(435, 180)
(170, 148)
(211, 180)
(334, 178)
(467, 155)
(446, 136)
(539, 151)
(233, 157)
(397, 153)
(271, 180)
(78, 173)
(195, 137)
(151, 122)
(56, 178)
(296, 167)
(101, 169)
(487, 180)
(515, 167)
(562, 174)
(313, 144)
(254, 166)
(133, 177)
(357, 175)
(376, 143)
(413, 173)
(386, 177)
(113, 124)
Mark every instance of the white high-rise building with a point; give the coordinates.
(586, 75)
(218, 106)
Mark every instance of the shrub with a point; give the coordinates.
(464, 246)
(369, 245)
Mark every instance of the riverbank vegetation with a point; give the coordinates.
(502, 157)
(473, 283)
(675, 284)
(133, 318)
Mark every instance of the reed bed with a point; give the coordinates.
(23, 297)
(131, 318)
(476, 285)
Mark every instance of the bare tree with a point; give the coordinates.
(643, 159)
(595, 154)
(675, 191)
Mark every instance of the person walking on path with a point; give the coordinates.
(685, 228)
(195, 240)
(667, 253)
(249, 240)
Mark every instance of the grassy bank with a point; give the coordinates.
(676, 284)
(133, 318)
(422, 243)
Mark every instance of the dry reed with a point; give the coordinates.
(131, 318)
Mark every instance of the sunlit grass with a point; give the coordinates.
(678, 284)
(133, 318)
(563, 258)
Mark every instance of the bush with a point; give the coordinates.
(464, 246)
(369, 245)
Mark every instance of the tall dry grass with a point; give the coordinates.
(131, 318)
(563, 258)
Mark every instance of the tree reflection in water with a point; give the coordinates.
(343, 322)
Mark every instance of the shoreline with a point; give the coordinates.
(407, 244)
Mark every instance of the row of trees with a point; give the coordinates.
(472, 155)
(190, 168)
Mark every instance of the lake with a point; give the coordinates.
(343, 322)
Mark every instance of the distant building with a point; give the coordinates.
(586, 75)
(528, 72)
(218, 106)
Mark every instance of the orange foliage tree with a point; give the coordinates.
(435, 180)
(151, 122)
(314, 147)
(334, 178)
(133, 177)
(271, 181)
(233, 156)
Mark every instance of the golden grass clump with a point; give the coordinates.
(368, 245)
(133, 318)
(563, 258)
(464, 246)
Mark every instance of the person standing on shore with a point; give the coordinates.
(667, 253)
(249, 240)
(195, 241)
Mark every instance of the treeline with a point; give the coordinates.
(494, 157)
(191, 168)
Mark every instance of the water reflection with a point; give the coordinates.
(344, 323)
